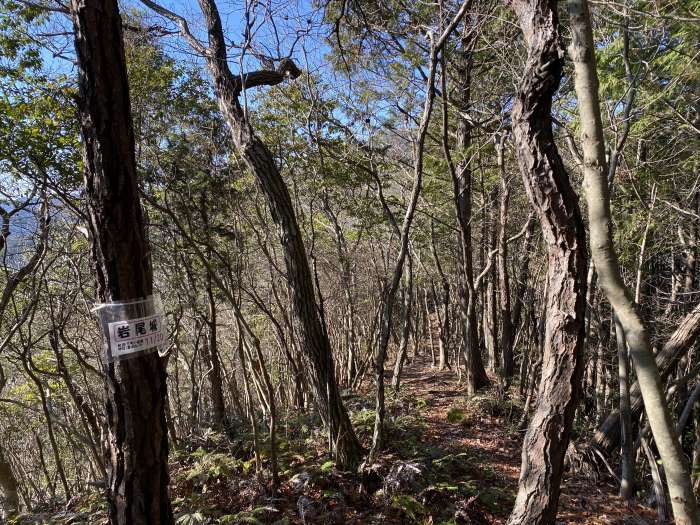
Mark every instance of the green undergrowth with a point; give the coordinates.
(215, 478)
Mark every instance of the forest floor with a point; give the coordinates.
(484, 428)
(450, 460)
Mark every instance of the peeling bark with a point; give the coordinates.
(556, 204)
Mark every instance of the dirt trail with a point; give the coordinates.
(493, 446)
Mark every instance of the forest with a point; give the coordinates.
(426, 262)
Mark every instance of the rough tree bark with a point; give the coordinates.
(135, 389)
(556, 204)
(582, 51)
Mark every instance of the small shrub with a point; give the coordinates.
(455, 415)
(212, 466)
(410, 507)
(192, 518)
(363, 419)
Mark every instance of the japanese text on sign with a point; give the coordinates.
(136, 335)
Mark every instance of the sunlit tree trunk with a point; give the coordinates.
(596, 184)
(490, 301)
(444, 317)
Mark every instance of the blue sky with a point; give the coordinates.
(291, 18)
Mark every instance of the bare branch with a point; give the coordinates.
(182, 24)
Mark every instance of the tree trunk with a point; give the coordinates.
(391, 287)
(444, 335)
(444, 318)
(475, 377)
(267, 394)
(555, 202)
(626, 453)
(591, 372)
(687, 410)
(607, 437)
(347, 281)
(429, 327)
(248, 395)
(642, 249)
(605, 259)
(490, 300)
(406, 327)
(215, 380)
(135, 389)
(657, 482)
(523, 274)
(314, 339)
(9, 487)
(600, 369)
(418, 332)
(507, 333)
(211, 346)
(29, 369)
(194, 383)
(87, 416)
